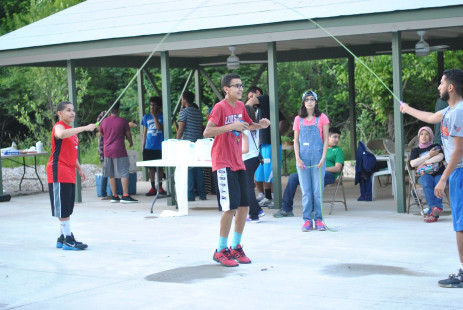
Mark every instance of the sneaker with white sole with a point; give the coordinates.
(249, 220)
(70, 243)
(260, 196)
(115, 199)
(261, 213)
(308, 226)
(282, 213)
(265, 202)
(453, 281)
(319, 225)
(128, 199)
(436, 211)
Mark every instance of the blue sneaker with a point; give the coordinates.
(308, 226)
(70, 243)
(261, 213)
(59, 242)
(249, 220)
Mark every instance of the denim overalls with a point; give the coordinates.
(310, 152)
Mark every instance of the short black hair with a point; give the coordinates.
(188, 96)
(114, 108)
(455, 77)
(62, 105)
(253, 90)
(156, 99)
(334, 130)
(226, 79)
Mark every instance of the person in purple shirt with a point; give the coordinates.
(114, 130)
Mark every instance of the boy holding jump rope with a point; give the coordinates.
(61, 173)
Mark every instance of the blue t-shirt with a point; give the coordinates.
(154, 137)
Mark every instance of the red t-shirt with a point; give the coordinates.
(61, 166)
(113, 129)
(226, 149)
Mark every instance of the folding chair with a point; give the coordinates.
(337, 184)
(389, 171)
(413, 190)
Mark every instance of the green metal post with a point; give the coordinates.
(72, 90)
(274, 117)
(352, 112)
(198, 88)
(398, 121)
(167, 113)
(141, 112)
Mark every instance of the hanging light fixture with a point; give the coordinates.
(233, 62)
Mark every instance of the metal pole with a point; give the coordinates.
(352, 112)
(167, 114)
(398, 122)
(141, 112)
(274, 118)
(72, 90)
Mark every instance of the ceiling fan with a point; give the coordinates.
(233, 61)
(422, 47)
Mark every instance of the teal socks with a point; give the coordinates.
(236, 240)
(222, 244)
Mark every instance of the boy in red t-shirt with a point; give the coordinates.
(227, 121)
(61, 172)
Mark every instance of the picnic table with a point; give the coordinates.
(22, 154)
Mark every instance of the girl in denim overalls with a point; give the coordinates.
(310, 146)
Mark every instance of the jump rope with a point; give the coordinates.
(289, 8)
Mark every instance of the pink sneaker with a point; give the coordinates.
(225, 258)
(308, 226)
(239, 255)
(319, 225)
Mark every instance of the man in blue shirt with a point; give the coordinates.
(153, 135)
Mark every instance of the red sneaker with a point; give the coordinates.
(162, 191)
(239, 255)
(225, 258)
(152, 192)
(430, 219)
(436, 211)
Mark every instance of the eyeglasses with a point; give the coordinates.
(309, 99)
(237, 86)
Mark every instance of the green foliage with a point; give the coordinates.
(29, 95)
(15, 14)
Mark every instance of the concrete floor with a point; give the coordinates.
(374, 259)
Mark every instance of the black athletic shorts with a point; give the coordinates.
(62, 197)
(232, 189)
(152, 154)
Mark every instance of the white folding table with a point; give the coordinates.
(181, 181)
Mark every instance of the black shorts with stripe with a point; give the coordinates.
(62, 197)
(231, 189)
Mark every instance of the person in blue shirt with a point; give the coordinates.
(153, 135)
